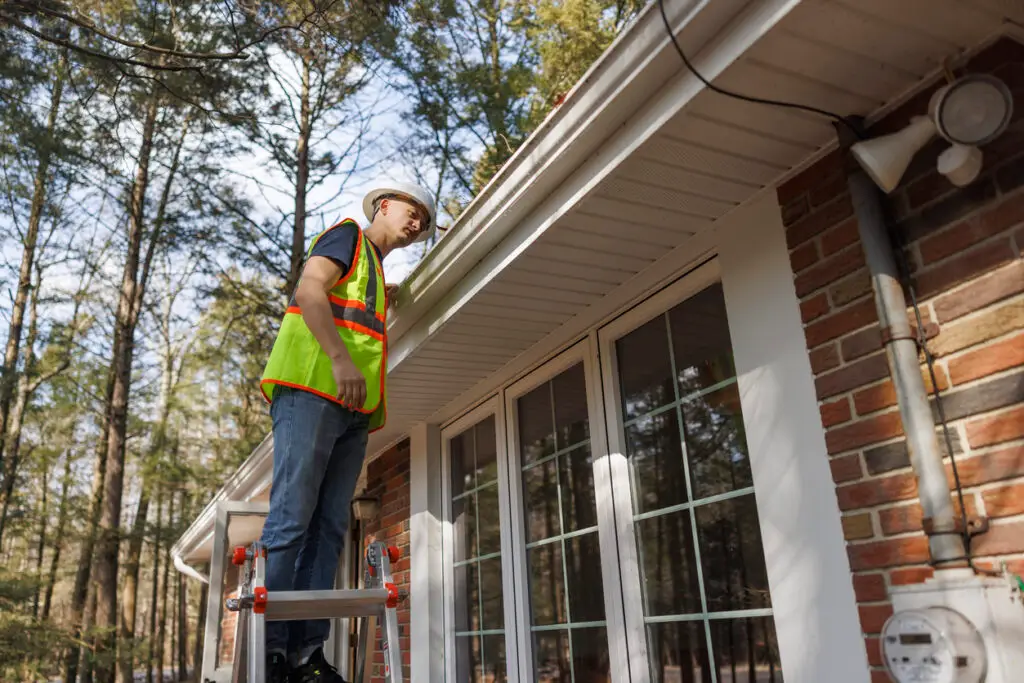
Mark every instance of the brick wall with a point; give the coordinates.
(227, 630)
(387, 478)
(964, 247)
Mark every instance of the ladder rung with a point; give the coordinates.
(290, 605)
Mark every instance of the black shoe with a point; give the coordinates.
(316, 670)
(277, 668)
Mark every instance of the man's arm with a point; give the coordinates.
(318, 277)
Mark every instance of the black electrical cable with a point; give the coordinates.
(748, 98)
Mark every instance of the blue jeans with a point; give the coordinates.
(319, 448)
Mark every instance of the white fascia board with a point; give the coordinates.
(242, 485)
(535, 194)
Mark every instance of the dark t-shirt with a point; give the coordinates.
(339, 245)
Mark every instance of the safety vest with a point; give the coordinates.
(358, 301)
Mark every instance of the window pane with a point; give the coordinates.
(467, 666)
(467, 599)
(579, 506)
(547, 590)
(551, 654)
(583, 578)
(536, 431)
(464, 528)
(491, 589)
(746, 650)
(490, 524)
(571, 419)
(462, 462)
(716, 444)
(645, 371)
(590, 655)
(486, 452)
(655, 454)
(540, 499)
(679, 653)
(731, 555)
(494, 659)
(668, 564)
(700, 339)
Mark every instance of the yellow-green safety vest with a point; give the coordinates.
(359, 303)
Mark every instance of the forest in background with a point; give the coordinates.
(163, 167)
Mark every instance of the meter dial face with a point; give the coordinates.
(933, 645)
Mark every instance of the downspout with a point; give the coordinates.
(945, 536)
(188, 570)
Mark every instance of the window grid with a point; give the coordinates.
(677, 404)
(477, 559)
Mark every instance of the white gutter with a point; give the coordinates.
(558, 145)
(188, 570)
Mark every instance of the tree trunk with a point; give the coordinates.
(162, 627)
(17, 419)
(197, 659)
(173, 658)
(182, 628)
(41, 547)
(151, 651)
(301, 181)
(88, 627)
(124, 350)
(7, 377)
(62, 520)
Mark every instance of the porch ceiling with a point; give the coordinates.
(848, 56)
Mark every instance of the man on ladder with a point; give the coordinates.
(325, 382)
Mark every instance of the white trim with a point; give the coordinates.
(815, 609)
(426, 590)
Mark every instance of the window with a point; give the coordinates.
(563, 556)
(476, 573)
(706, 605)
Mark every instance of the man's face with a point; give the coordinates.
(403, 219)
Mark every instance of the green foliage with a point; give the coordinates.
(26, 644)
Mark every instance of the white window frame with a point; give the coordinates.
(659, 304)
(586, 352)
(490, 407)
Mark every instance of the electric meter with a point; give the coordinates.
(933, 645)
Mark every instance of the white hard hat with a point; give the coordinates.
(410, 191)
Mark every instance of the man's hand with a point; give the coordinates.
(392, 292)
(350, 382)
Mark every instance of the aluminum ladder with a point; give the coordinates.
(255, 606)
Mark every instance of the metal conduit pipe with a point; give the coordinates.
(945, 541)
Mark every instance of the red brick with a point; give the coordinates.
(864, 432)
(903, 518)
(814, 308)
(982, 292)
(992, 323)
(841, 236)
(1000, 539)
(861, 343)
(859, 373)
(883, 395)
(803, 256)
(1006, 426)
(841, 322)
(997, 357)
(846, 468)
(880, 677)
(873, 617)
(977, 228)
(857, 527)
(819, 220)
(395, 518)
(824, 358)
(829, 270)
(928, 187)
(996, 465)
(826, 167)
(893, 552)
(835, 412)
(1004, 501)
(910, 575)
(870, 587)
(963, 267)
(1018, 237)
(828, 189)
(874, 646)
(795, 210)
(877, 491)
(851, 288)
